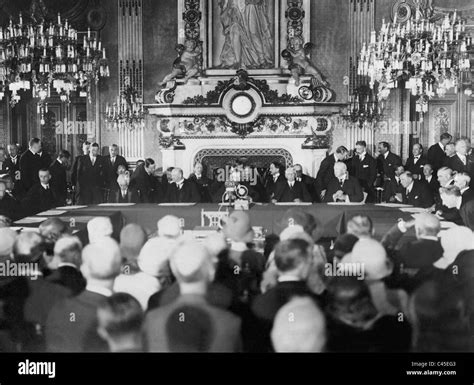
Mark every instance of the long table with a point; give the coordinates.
(332, 218)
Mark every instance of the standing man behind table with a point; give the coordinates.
(326, 170)
(90, 177)
(143, 180)
(387, 162)
(31, 161)
(112, 163)
(59, 176)
(364, 168)
(181, 190)
(436, 153)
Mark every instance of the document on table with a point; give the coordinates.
(70, 207)
(293, 203)
(392, 205)
(30, 220)
(18, 228)
(413, 210)
(116, 204)
(53, 212)
(176, 204)
(346, 203)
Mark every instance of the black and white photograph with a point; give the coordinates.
(210, 184)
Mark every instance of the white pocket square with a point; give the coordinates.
(365, 166)
(416, 197)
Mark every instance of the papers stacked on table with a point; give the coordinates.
(30, 220)
(70, 207)
(18, 228)
(176, 204)
(392, 205)
(116, 204)
(53, 212)
(293, 204)
(346, 203)
(413, 210)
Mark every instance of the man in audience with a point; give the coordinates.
(67, 255)
(387, 162)
(430, 180)
(112, 163)
(51, 230)
(307, 180)
(416, 162)
(436, 153)
(299, 327)
(343, 187)
(415, 193)
(144, 181)
(364, 169)
(132, 239)
(451, 197)
(392, 188)
(462, 182)
(412, 256)
(462, 161)
(124, 194)
(91, 174)
(72, 324)
(59, 177)
(41, 295)
(120, 320)
(202, 182)
(86, 148)
(182, 190)
(290, 190)
(361, 226)
(273, 179)
(9, 206)
(41, 196)
(99, 228)
(169, 226)
(31, 161)
(193, 268)
(450, 152)
(326, 170)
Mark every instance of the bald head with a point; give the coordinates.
(101, 260)
(192, 263)
(340, 169)
(99, 228)
(176, 175)
(445, 175)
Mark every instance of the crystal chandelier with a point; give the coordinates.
(424, 55)
(45, 56)
(127, 111)
(364, 107)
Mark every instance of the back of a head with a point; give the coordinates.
(349, 298)
(98, 228)
(7, 241)
(296, 216)
(427, 224)
(52, 228)
(238, 227)
(361, 226)
(291, 254)
(189, 329)
(69, 250)
(120, 315)
(455, 240)
(28, 247)
(101, 260)
(191, 263)
(437, 309)
(132, 239)
(344, 244)
(299, 326)
(169, 227)
(155, 256)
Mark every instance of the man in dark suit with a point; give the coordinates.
(412, 256)
(144, 182)
(182, 190)
(292, 261)
(436, 153)
(124, 194)
(202, 182)
(326, 169)
(59, 175)
(91, 177)
(193, 268)
(12, 161)
(275, 176)
(67, 251)
(462, 161)
(392, 188)
(416, 161)
(3, 165)
(290, 190)
(462, 182)
(343, 187)
(112, 163)
(308, 181)
(415, 193)
(9, 206)
(30, 163)
(41, 196)
(430, 180)
(364, 169)
(86, 148)
(387, 162)
(100, 266)
(450, 152)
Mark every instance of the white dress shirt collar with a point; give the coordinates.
(59, 161)
(428, 237)
(288, 278)
(462, 157)
(464, 190)
(409, 188)
(45, 186)
(362, 156)
(386, 154)
(99, 290)
(441, 145)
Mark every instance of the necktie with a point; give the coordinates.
(93, 160)
(113, 161)
(341, 182)
(291, 185)
(124, 193)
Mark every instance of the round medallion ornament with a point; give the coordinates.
(403, 10)
(192, 16)
(305, 92)
(295, 14)
(242, 105)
